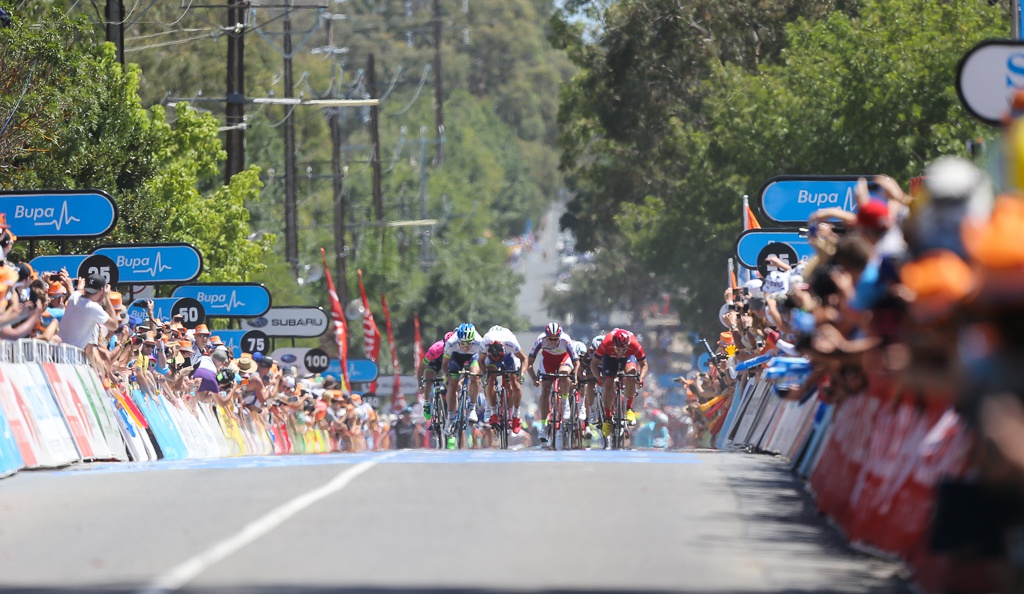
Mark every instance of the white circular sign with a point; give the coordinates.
(988, 77)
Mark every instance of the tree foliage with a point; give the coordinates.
(681, 108)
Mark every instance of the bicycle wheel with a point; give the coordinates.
(576, 432)
(555, 408)
(503, 418)
(617, 420)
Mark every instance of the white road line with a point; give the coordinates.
(187, 571)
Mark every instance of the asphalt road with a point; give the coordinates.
(425, 521)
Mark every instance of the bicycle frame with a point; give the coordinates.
(501, 390)
(439, 408)
(555, 407)
(620, 428)
(461, 424)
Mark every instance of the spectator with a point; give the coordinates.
(87, 310)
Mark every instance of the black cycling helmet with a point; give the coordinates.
(496, 350)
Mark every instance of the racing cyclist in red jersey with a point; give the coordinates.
(619, 351)
(557, 356)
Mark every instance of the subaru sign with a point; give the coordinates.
(751, 244)
(155, 263)
(59, 214)
(43, 264)
(229, 300)
(791, 199)
(988, 76)
(162, 309)
(290, 322)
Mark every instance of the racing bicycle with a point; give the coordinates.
(460, 426)
(504, 409)
(620, 426)
(439, 412)
(554, 408)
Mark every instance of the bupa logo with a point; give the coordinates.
(49, 216)
(220, 300)
(141, 265)
(258, 322)
(826, 199)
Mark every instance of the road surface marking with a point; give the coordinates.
(187, 571)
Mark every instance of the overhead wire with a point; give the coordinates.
(423, 81)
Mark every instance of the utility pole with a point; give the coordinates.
(115, 27)
(438, 89)
(291, 234)
(425, 256)
(339, 205)
(234, 141)
(378, 196)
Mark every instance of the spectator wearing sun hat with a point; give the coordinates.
(201, 338)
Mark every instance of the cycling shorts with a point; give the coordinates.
(507, 363)
(460, 361)
(613, 365)
(552, 365)
(435, 364)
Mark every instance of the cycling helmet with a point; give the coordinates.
(448, 336)
(496, 350)
(496, 328)
(553, 330)
(466, 332)
(620, 338)
(597, 341)
(580, 347)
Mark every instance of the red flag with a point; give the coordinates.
(417, 346)
(396, 391)
(371, 335)
(340, 329)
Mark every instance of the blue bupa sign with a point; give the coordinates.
(162, 310)
(359, 370)
(232, 339)
(43, 264)
(59, 214)
(228, 300)
(791, 199)
(754, 244)
(154, 263)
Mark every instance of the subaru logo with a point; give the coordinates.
(288, 358)
(259, 323)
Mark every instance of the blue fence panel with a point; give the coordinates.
(10, 457)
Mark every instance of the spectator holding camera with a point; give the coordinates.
(88, 309)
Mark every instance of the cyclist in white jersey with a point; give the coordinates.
(461, 352)
(557, 356)
(503, 354)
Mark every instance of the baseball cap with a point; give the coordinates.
(220, 355)
(94, 283)
(874, 215)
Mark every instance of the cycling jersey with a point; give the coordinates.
(434, 356)
(506, 363)
(553, 356)
(505, 337)
(460, 355)
(606, 348)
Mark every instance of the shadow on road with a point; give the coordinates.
(285, 589)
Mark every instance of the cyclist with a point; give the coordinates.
(557, 356)
(619, 351)
(428, 371)
(461, 352)
(503, 354)
(585, 379)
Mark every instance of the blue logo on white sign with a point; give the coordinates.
(792, 199)
(155, 263)
(240, 300)
(50, 214)
(751, 243)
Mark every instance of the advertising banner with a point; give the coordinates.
(162, 309)
(754, 246)
(988, 76)
(154, 263)
(59, 214)
(10, 458)
(43, 264)
(229, 300)
(791, 199)
(43, 437)
(290, 322)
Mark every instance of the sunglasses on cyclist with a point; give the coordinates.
(466, 343)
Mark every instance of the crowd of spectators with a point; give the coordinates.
(924, 292)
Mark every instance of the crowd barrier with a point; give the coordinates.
(55, 411)
(873, 464)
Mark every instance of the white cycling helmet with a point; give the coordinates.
(597, 341)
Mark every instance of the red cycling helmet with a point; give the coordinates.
(553, 330)
(620, 338)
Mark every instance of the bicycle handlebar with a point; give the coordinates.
(553, 375)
